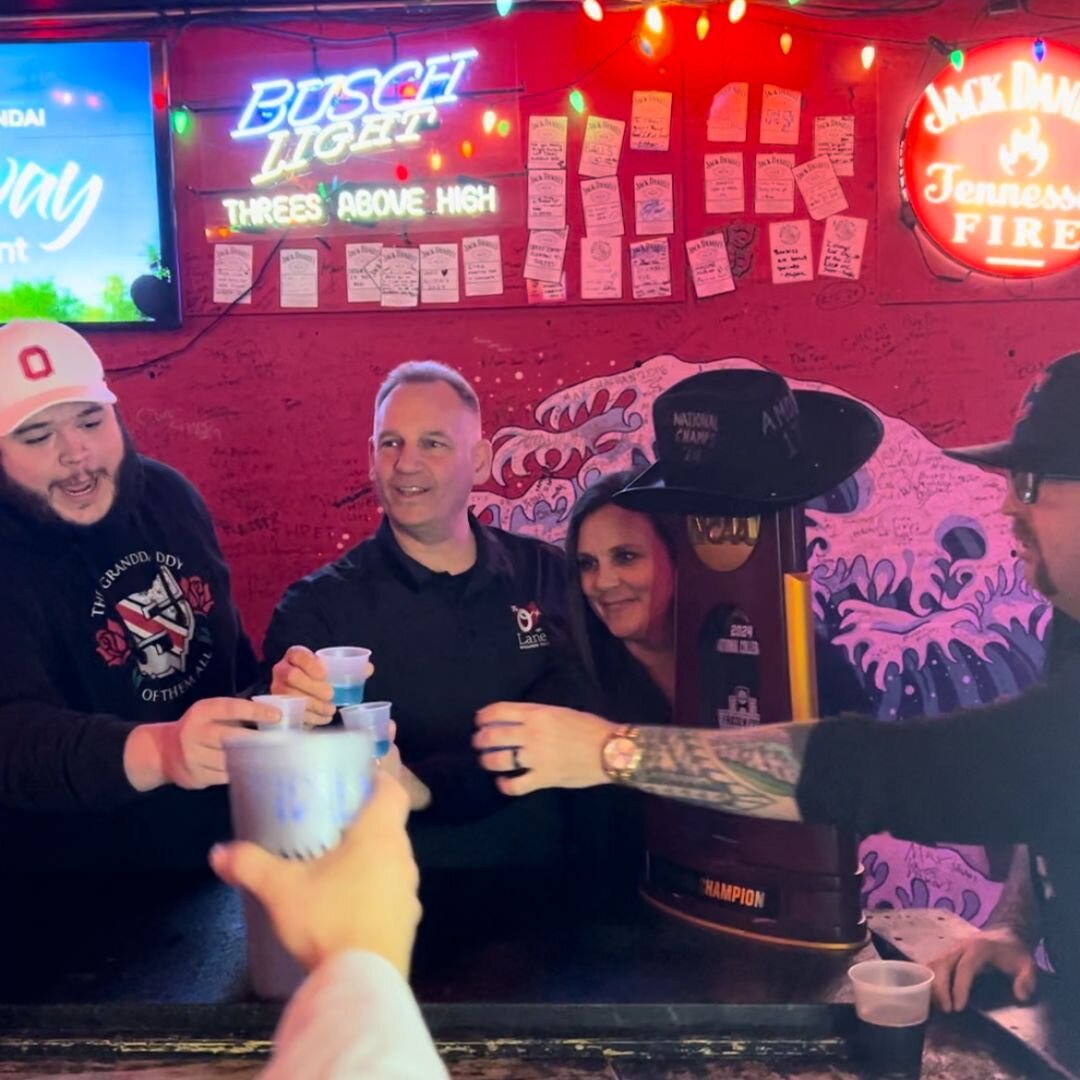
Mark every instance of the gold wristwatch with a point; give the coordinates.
(621, 753)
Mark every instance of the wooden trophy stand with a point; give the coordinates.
(745, 656)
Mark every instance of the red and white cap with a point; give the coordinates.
(43, 364)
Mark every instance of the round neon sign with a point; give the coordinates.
(990, 159)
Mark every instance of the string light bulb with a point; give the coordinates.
(785, 43)
(868, 54)
(736, 10)
(594, 9)
(489, 121)
(182, 121)
(1038, 50)
(956, 58)
(435, 161)
(503, 129)
(577, 101)
(466, 149)
(702, 26)
(503, 7)
(645, 45)
(654, 19)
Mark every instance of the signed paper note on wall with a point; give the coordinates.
(399, 278)
(363, 272)
(602, 148)
(650, 269)
(547, 198)
(842, 248)
(232, 273)
(299, 278)
(601, 268)
(727, 113)
(482, 256)
(439, 274)
(774, 185)
(650, 120)
(780, 113)
(547, 142)
(725, 190)
(790, 252)
(544, 255)
(545, 292)
(654, 205)
(834, 137)
(710, 267)
(602, 203)
(820, 188)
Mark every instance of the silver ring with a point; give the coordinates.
(514, 758)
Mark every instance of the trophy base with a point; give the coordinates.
(795, 910)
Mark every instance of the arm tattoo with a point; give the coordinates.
(752, 771)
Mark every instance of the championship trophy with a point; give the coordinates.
(738, 455)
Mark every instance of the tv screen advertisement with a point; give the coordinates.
(86, 227)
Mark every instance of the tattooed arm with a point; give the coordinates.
(752, 771)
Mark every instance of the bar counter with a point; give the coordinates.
(520, 976)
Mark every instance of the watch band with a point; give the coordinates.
(623, 770)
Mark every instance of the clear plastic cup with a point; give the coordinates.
(346, 671)
(372, 717)
(291, 707)
(892, 1003)
(292, 793)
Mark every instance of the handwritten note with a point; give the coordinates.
(602, 147)
(654, 205)
(819, 187)
(650, 269)
(725, 189)
(299, 278)
(547, 198)
(790, 252)
(544, 255)
(602, 202)
(547, 142)
(727, 113)
(482, 256)
(650, 120)
(774, 185)
(842, 248)
(834, 137)
(545, 292)
(780, 112)
(399, 279)
(232, 273)
(439, 274)
(710, 267)
(363, 269)
(601, 268)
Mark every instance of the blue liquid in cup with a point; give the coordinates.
(382, 747)
(348, 695)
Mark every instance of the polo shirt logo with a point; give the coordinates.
(530, 634)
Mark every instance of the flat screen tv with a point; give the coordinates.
(86, 184)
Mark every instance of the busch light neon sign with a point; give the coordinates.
(329, 119)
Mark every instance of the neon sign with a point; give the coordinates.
(990, 159)
(328, 119)
(360, 205)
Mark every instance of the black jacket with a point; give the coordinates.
(103, 627)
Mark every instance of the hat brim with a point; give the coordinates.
(839, 435)
(999, 455)
(14, 416)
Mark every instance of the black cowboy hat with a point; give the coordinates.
(740, 441)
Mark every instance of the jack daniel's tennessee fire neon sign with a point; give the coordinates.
(329, 119)
(990, 159)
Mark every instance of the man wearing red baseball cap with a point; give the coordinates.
(122, 649)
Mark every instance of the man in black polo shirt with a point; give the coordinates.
(457, 615)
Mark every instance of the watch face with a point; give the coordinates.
(619, 753)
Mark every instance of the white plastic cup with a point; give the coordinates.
(346, 671)
(892, 1003)
(291, 707)
(372, 717)
(292, 793)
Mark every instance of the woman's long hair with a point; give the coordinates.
(594, 642)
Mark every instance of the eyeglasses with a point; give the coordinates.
(1026, 484)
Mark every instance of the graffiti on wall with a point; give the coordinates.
(913, 569)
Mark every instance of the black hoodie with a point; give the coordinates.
(103, 627)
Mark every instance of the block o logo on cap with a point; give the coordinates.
(35, 362)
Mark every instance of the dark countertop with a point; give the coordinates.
(515, 969)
